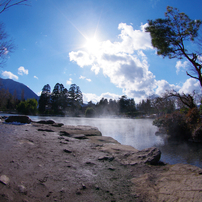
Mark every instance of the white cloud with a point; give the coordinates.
(36, 77)
(83, 77)
(191, 85)
(163, 86)
(22, 70)
(125, 63)
(87, 97)
(9, 75)
(69, 82)
(179, 65)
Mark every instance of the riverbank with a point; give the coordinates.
(42, 162)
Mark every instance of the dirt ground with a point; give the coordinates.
(40, 163)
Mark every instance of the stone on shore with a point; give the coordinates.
(4, 179)
(18, 119)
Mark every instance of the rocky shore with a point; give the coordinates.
(47, 161)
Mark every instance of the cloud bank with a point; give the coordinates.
(125, 63)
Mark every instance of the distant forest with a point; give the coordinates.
(62, 101)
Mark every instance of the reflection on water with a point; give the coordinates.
(140, 133)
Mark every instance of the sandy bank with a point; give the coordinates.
(40, 162)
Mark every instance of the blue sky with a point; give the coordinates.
(100, 45)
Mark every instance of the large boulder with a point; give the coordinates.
(18, 119)
(128, 155)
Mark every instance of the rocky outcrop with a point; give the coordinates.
(18, 119)
(125, 154)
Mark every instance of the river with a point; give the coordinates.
(139, 133)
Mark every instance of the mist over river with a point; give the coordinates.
(139, 133)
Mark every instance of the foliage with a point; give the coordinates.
(193, 117)
(181, 125)
(7, 100)
(175, 125)
(60, 100)
(28, 106)
(170, 34)
(90, 112)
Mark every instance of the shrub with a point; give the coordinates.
(175, 125)
(27, 107)
(90, 112)
(193, 117)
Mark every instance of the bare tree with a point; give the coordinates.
(6, 45)
(186, 99)
(4, 5)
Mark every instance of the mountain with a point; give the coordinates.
(19, 87)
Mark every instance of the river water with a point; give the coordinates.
(139, 133)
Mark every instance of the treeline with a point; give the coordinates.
(11, 104)
(70, 102)
(63, 101)
(123, 106)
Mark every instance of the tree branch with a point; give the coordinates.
(7, 4)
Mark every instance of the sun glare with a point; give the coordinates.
(92, 45)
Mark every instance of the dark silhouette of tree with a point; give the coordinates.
(45, 99)
(6, 45)
(6, 4)
(22, 95)
(169, 36)
(75, 99)
(186, 99)
(58, 99)
(126, 105)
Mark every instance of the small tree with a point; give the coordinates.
(28, 107)
(170, 34)
(90, 112)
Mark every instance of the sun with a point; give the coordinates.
(92, 45)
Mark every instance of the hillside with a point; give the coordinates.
(14, 85)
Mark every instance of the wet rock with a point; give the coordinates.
(46, 122)
(111, 168)
(58, 125)
(4, 179)
(18, 119)
(67, 151)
